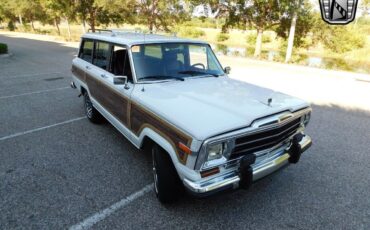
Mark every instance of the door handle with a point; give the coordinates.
(88, 67)
(103, 76)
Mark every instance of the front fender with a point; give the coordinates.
(170, 148)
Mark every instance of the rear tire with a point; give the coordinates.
(91, 113)
(167, 184)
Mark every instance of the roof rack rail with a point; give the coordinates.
(116, 32)
(99, 31)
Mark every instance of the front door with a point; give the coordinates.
(108, 62)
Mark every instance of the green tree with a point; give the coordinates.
(61, 9)
(13, 9)
(6, 13)
(295, 25)
(26, 11)
(337, 39)
(96, 12)
(259, 14)
(160, 14)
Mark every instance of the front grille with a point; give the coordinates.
(265, 139)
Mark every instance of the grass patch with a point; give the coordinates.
(3, 48)
(189, 32)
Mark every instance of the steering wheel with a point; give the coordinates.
(199, 64)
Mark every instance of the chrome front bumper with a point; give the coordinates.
(231, 179)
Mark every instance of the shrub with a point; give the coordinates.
(221, 37)
(11, 26)
(343, 39)
(190, 32)
(251, 38)
(201, 22)
(3, 48)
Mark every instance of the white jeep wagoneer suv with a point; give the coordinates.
(207, 132)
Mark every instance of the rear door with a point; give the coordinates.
(83, 63)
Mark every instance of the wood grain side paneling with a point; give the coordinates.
(111, 100)
(142, 118)
(79, 73)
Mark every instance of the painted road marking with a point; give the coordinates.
(101, 215)
(41, 128)
(31, 75)
(35, 92)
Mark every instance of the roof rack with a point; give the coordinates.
(116, 32)
(99, 31)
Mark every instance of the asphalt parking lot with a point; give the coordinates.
(58, 170)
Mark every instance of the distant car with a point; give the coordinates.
(206, 132)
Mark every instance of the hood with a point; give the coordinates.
(207, 106)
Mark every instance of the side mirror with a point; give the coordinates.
(120, 80)
(227, 70)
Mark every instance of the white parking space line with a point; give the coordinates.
(39, 129)
(31, 75)
(34, 92)
(101, 215)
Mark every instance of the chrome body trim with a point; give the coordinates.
(230, 179)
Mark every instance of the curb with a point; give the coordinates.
(6, 55)
(363, 79)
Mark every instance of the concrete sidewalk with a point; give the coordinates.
(319, 86)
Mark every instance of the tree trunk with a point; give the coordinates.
(289, 49)
(32, 25)
(92, 20)
(84, 26)
(152, 16)
(257, 50)
(69, 29)
(92, 25)
(20, 19)
(151, 26)
(56, 24)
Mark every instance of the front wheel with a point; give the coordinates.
(167, 184)
(91, 113)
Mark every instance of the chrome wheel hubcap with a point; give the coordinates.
(88, 106)
(155, 176)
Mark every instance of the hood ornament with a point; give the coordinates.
(269, 101)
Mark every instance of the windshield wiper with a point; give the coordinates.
(192, 72)
(161, 77)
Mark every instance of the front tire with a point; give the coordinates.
(167, 184)
(91, 113)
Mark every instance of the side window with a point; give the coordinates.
(101, 55)
(120, 62)
(212, 61)
(86, 50)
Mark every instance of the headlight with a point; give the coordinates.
(216, 151)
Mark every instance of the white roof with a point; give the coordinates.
(132, 38)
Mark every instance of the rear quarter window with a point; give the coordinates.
(86, 50)
(101, 55)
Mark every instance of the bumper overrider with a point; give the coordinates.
(248, 171)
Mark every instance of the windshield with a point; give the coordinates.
(174, 61)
